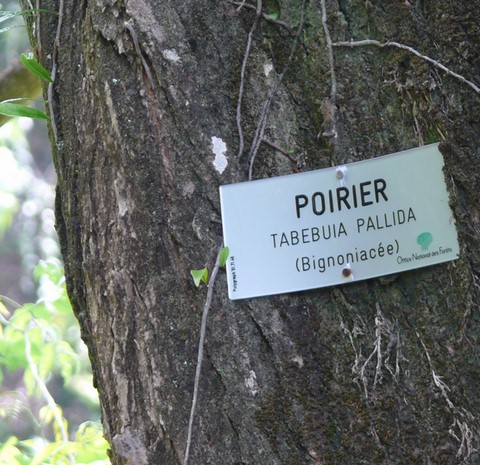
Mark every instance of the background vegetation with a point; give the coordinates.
(49, 410)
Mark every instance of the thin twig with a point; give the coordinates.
(259, 133)
(36, 23)
(437, 64)
(437, 380)
(279, 149)
(362, 370)
(379, 323)
(466, 447)
(265, 16)
(37, 29)
(53, 74)
(10, 302)
(257, 140)
(242, 77)
(241, 4)
(201, 344)
(139, 53)
(45, 393)
(331, 63)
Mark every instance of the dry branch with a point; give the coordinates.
(437, 64)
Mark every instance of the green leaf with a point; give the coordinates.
(14, 109)
(199, 276)
(3, 310)
(5, 15)
(275, 15)
(38, 311)
(5, 29)
(57, 452)
(90, 436)
(67, 360)
(21, 319)
(9, 452)
(45, 361)
(32, 65)
(224, 253)
(51, 270)
(30, 384)
(12, 353)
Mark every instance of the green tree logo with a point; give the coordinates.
(424, 240)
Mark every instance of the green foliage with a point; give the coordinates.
(273, 9)
(32, 65)
(275, 15)
(200, 276)
(18, 106)
(224, 253)
(88, 448)
(13, 107)
(6, 15)
(8, 207)
(35, 340)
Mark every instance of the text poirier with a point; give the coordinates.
(366, 193)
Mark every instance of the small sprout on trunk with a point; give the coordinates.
(224, 253)
(199, 276)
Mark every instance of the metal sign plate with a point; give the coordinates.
(337, 225)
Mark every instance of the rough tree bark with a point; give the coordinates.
(145, 95)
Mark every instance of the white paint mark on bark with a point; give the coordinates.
(111, 109)
(188, 189)
(171, 55)
(122, 207)
(122, 201)
(219, 148)
(267, 68)
(251, 383)
(125, 205)
(298, 361)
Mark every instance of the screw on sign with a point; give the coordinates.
(347, 272)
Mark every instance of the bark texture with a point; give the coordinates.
(384, 371)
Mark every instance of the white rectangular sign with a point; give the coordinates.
(338, 225)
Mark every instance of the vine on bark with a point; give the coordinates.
(222, 256)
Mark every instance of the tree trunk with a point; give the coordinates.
(381, 371)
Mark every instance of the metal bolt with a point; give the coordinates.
(339, 174)
(346, 272)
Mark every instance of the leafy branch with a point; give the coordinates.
(32, 342)
(14, 107)
(19, 88)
